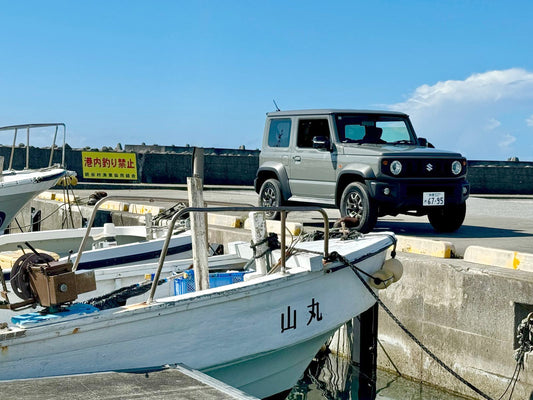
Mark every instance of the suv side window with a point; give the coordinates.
(354, 133)
(279, 133)
(308, 129)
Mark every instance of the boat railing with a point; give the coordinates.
(28, 128)
(282, 210)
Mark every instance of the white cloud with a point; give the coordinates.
(473, 116)
(507, 140)
(492, 124)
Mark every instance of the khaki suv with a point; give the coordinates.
(366, 163)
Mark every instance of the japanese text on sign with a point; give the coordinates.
(99, 165)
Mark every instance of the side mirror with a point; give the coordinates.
(321, 142)
(423, 142)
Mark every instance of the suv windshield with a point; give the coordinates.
(379, 129)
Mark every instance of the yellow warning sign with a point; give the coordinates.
(100, 165)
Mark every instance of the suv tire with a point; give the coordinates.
(356, 202)
(448, 218)
(270, 196)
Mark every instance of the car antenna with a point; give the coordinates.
(277, 108)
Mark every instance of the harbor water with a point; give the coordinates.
(330, 377)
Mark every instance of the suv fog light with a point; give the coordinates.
(396, 167)
(456, 167)
(386, 191)
(465, 190)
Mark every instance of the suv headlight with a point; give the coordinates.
(396, 167)
(456, 167)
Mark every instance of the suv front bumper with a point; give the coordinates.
(407, 196)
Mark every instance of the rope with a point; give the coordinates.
(272, 242)
(62, 205)
(119, 297)
(413, 337)
(524, 334)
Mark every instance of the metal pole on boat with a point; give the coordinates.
(13, 149)
(28, 148)
(283, 246)
(52, 148)
(63, 150)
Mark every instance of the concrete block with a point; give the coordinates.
(295, 228)
(66, 198)
(115, 206)
(231, 221)
(144, 209)
(499, 258)
(435, 248)
(47, 196)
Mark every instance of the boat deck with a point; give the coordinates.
(178, 382)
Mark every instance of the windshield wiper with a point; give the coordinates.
(402, 142)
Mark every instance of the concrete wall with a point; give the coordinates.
(500, 177)
(466, 314)
(172, 164)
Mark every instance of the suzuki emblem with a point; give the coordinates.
(429, 167)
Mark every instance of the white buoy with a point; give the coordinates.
(395, 267)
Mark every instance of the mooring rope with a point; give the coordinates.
(413, 337)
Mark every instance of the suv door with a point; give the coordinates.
(312, 170)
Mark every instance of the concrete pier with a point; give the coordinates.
(465, 313)
(178, 382)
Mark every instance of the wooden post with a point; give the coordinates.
(259, 233)
(367, 329)
(199, 234)
(198, 163)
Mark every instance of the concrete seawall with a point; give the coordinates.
(467, 314)
(172, 164)
(500, 177)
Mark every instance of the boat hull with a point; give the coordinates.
(17, 188)
(285, 319)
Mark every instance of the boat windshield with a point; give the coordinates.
(377, 129)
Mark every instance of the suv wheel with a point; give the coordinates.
(357, 203)
(270, 196)
(448, 218)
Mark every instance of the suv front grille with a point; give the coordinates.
(422, 168)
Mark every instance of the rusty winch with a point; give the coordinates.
(40, 280)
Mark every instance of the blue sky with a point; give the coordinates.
(204, 73)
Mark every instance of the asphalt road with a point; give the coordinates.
(503, 222)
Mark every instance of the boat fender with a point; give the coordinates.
(68, 181)
(395, 267)
(381, 279)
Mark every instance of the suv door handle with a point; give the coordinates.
(297, 158)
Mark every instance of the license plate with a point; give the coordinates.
(433, 199)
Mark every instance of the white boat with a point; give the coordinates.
(64, 241)
(18, 186)
(107, 246)
(258, 335)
